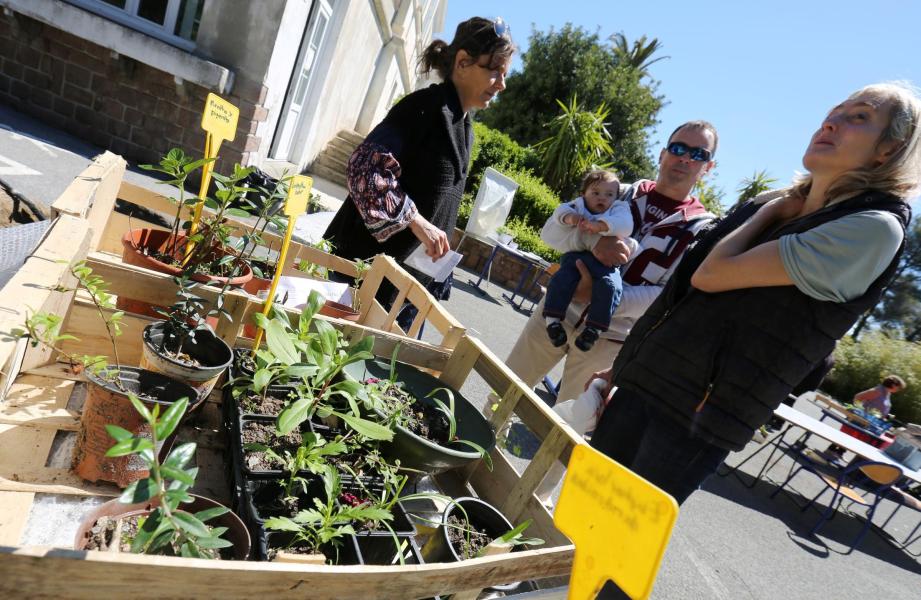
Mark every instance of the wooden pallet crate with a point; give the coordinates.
(92, 196)
(34, 410)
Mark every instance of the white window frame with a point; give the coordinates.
(128, 17)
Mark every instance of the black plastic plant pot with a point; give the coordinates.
(414, 451)
(211, 353)
(242, 367)
(388, 550)
(482, 516)
(346, 553)
(279, 446)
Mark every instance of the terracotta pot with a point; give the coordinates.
(136, 241)
(107, 405)
(213, 354)
(236, 531)
(339, 311)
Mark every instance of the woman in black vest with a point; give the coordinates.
(762, 299)
(407, 178)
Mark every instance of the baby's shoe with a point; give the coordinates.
(556, 333)
(587, 339)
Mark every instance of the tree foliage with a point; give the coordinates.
(710, 195)
(750, 187)
(579, 142)
(560, 63)
(860, 365)
(899, 311)
(639, 55)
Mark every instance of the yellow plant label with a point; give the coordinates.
(619, 522)
(220, 118)
(298, 195)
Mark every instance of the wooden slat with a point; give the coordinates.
(98, 183)
(523, 489)
(37, 286)
(87, 326)
(14, 513)
(39, 402)
(93, 575)
(460, 364)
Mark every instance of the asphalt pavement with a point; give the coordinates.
(730, 542)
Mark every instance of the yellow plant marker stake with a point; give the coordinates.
(219, 120)
(619, 522)
(295, 205)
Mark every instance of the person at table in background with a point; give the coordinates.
(666, 220)
(878, 398)
(599, 211)
(763, 297)
(406, 178)
(874, 399)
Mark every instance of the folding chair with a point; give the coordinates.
(902, 498)
(879, 478)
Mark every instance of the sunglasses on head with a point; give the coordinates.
(501, 28)
(696, 153)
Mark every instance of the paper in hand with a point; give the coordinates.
(437, 270)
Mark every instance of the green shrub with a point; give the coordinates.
(863, 364)
(534, 201)
(528, 239)
(464, 210)
(492, 148)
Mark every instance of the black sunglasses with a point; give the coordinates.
(680, 149)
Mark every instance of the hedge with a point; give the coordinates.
(862, 364)
(492, 148)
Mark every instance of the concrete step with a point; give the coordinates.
(333, 175)
(352, 137)
(338, 151)
(332, 162)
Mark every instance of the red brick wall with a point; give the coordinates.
(114, 101)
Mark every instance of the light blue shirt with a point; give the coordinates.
(837, 261)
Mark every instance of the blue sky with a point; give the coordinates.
(765, 73)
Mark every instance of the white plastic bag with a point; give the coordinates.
(583, 412)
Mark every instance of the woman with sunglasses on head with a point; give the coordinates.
(763, 297)
(406, 179)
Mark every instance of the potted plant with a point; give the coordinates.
(435, 427)
(157, 514)
(209, 255)
(341, 311)
(108, 389)
(183, 346)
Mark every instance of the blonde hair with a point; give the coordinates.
(596, 175)
(900, 173)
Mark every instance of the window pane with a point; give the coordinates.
(153, 10)
(189, 18)
(118, 3)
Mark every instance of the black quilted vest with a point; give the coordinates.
(437, 138)
(721, 363)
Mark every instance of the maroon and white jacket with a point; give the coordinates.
(663, 244)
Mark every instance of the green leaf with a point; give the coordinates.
(237, 212)
(129, 446)
(210, 513)
(369, 429)
(190, 524)
(276, 336)
(177, 475)
(118, 433)
(180, 456)
(281, 524)
(213, 542)
(138, 491)
(170, 419)
(139, 406)
(260, 320)
(261, 379)
(328, 336)
(294, 414)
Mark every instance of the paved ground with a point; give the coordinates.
(730, 542)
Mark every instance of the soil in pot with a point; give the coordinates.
(199, 362)
(108, 404)
(422, 419)
(466, 538)
(115, 524)
(263, 432)
(268, 405)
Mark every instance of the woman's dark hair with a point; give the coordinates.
(477, 36)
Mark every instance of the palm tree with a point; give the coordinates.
(579, 142)
(638, 56)
(754, 185)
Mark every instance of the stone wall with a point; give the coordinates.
(114, 101)
(506, 271)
